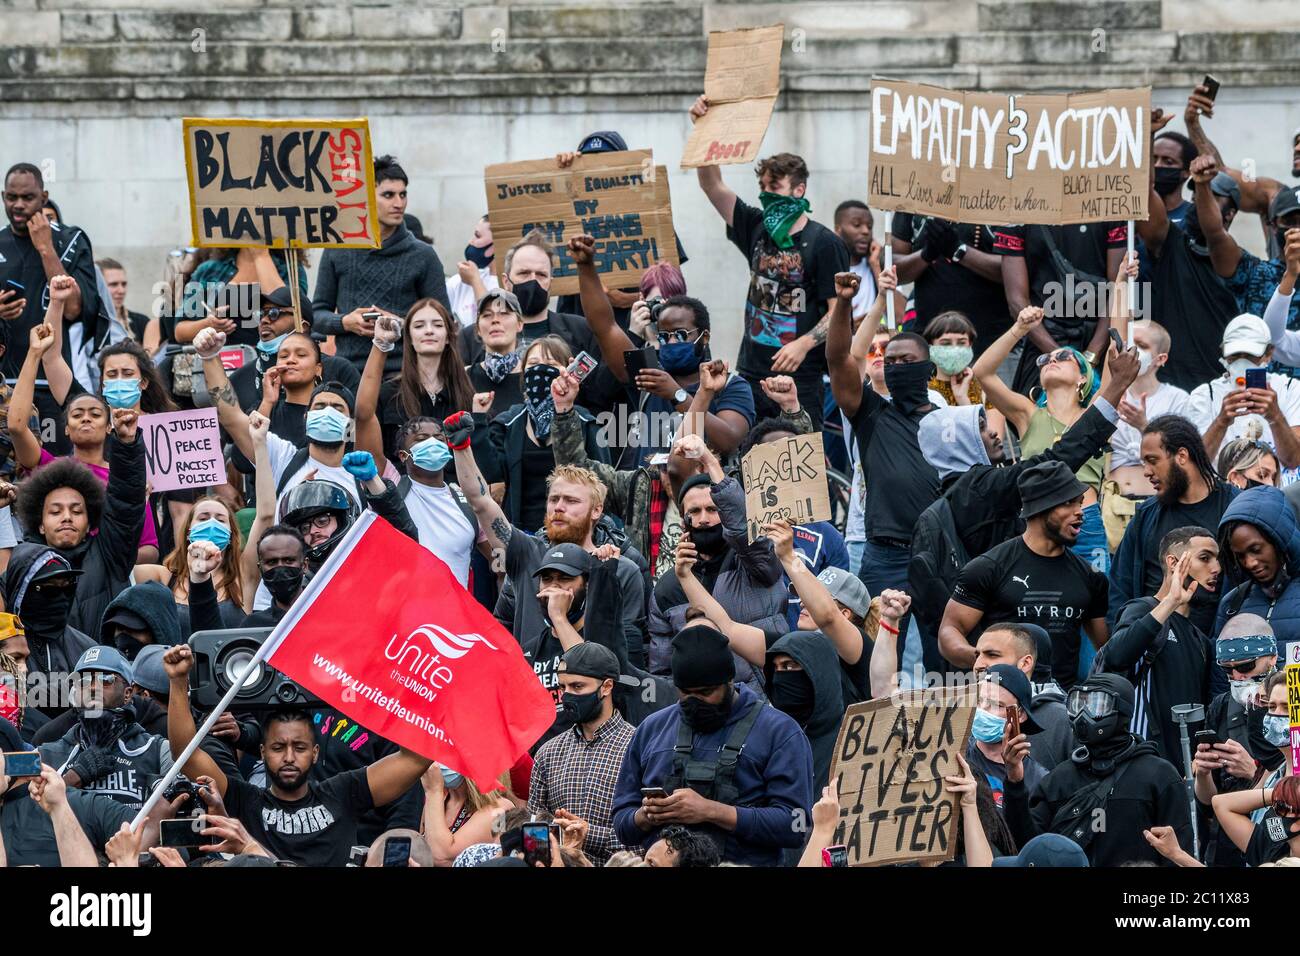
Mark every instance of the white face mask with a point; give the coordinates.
(1145, 361)
(1237, 367)
(1244, 692)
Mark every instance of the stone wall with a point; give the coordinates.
(93, 89)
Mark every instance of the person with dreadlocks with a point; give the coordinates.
(1188, 492)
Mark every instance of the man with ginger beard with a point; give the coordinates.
(575, 500)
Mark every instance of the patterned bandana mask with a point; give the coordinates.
(779, 214)
(537, 397)
(497, 367)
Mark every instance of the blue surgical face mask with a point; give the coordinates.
(122, 392)
(210, 529)
(1277, 729)
(987, 728)
(450, 778)
(432, 454)
(272, 346)
(327, 425)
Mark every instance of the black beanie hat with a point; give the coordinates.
(692, 482)
(701, 658)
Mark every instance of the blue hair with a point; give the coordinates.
(1090, 386)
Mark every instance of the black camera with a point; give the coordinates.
(656, 305)
(180, 786)
(221, 656)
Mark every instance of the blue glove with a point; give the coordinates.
(360, 465)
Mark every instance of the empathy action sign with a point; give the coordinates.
(303, 184)
(741, 80)
(993, 158)
(1293, 702)
(183, 449)
(619, 199)
(890, 760)
(786, 481)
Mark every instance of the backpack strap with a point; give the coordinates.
(729, 756)
(295, 465)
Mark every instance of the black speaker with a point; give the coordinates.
(221, 656)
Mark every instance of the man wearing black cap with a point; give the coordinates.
(720, 759)
(999, 747)
(574, 774)
(1028, 648)
(1114, 786)
(1034, 577)
(561, 580)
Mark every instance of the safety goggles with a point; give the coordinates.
(1095, 703)
(1060, 355)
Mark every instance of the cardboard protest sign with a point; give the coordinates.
(890, 760)
(182, 449)
(993, 158)
(302, 184)
(741, 80)
(785, 480)
(619, 199)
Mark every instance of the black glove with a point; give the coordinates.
(941, 240)
(458, 428)
(92, 765)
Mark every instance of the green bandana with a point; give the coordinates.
(779, 214)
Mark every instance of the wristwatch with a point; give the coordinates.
(960, 252)
(681, 395)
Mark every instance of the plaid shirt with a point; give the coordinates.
(578, 775)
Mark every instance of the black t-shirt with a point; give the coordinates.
(21, 263)
(539, 461)
(788, 289)
(392, 414)
(900, 483)
(855, 679)
(1194, 305)
(1203, 514)
(1268, 841)
(318, 830)
(945, 285)
(508, 391)
(29, 834)
(1011, 583)
(1084, 248)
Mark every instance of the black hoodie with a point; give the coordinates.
(153, 602)
(816, 655)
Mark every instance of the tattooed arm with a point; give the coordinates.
(229, 414)
(490, 516)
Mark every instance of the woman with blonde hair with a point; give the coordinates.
(457, 814)
(1247, 462)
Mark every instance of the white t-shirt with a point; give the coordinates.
(443, 527)
(1126, 443)
(866, 288)
(1206, 400)
(461, 297)
(282, 452)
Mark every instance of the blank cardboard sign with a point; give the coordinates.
(741, 80)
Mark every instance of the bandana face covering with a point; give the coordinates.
(497, 367)
(780, 213)
(537, 397)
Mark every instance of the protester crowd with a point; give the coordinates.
(1088, 514)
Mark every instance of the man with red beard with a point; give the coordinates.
(1187, 493)
(575, 500)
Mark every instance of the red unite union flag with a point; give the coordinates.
(386, 634)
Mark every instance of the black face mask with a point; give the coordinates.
(792, 692)
(1091, 731)
(48, 615)
(576, 610)
(707, 541)
(532, 297)
(478, 256)
(1169, 180)
(283, 581)
(705, 718)
(127, 645)
(907, 383)
(581, 708)
(104, 728)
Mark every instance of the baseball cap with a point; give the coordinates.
(1013, 679)
(1247, 334)
(282, 298)
(1224, 185)
(1046, 850)
(505, 295)
(104, 659)
(128, 619)
(847, 589)
(55, 566)
(603, 141)
(148, 671)
(594, 660)
(1286, 201)
(566, 558)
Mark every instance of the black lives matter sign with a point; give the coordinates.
(301, 184)
(890, 760)
(619, 199)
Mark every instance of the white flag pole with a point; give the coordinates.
(890, 322)
(287, 623)
(1132, 286)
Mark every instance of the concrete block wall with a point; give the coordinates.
(94, 89)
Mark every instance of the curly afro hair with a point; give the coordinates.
(64, 473)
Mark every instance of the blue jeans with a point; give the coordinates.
(1092, 547)
(883, 567)
(855, 549)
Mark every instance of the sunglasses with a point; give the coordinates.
(107, 680)
(1060, 355)
(1244, 667)
(677, 335)
(271, 314)
(877, 349)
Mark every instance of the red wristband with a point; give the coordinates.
(891, 630)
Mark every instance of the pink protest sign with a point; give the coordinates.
(183, 449)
